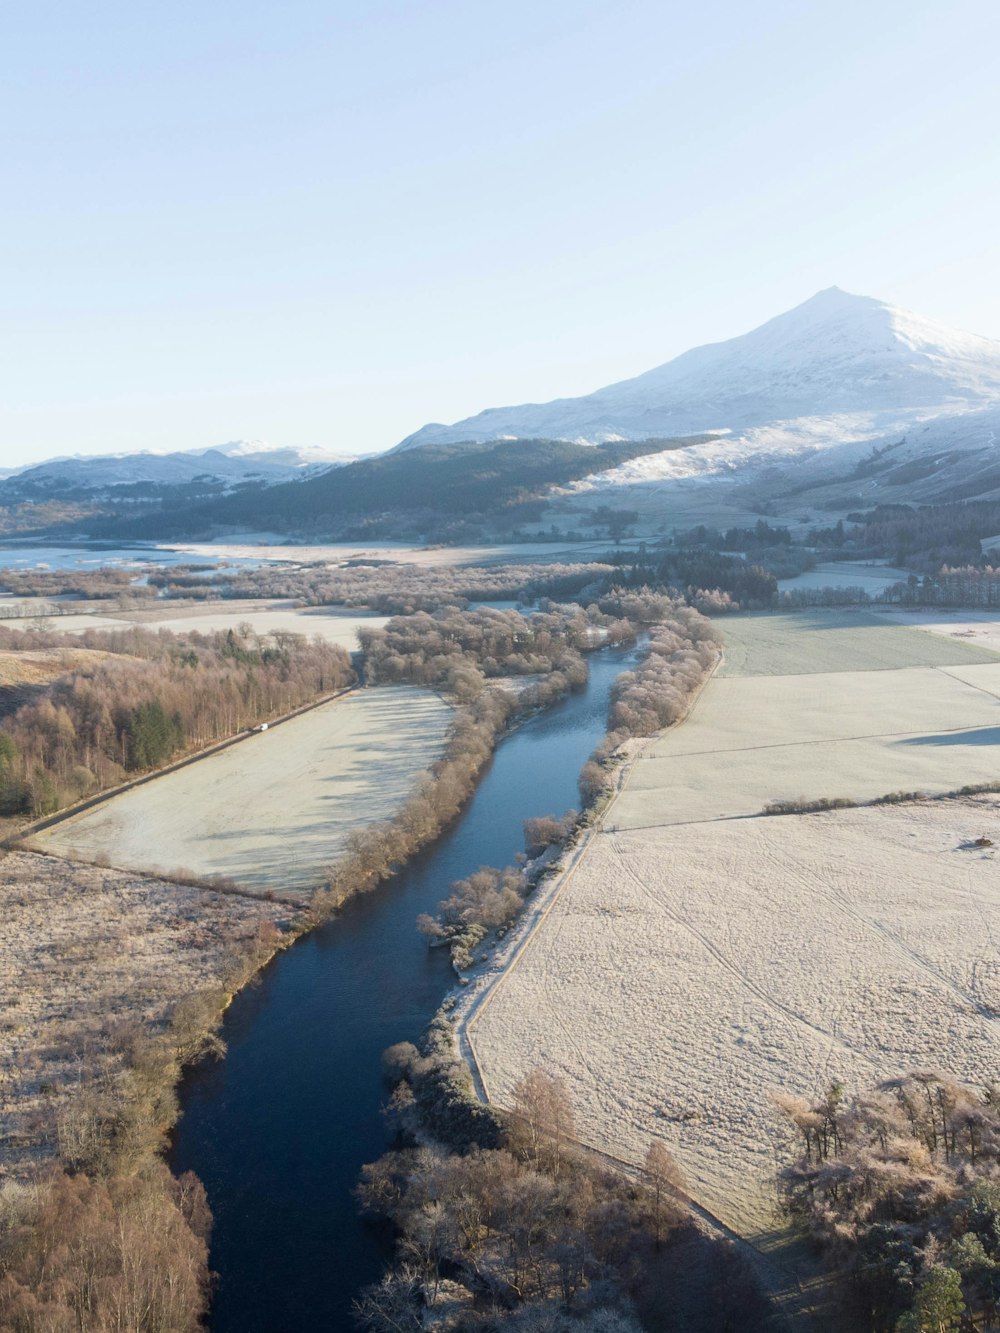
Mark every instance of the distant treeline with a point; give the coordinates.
(459, 650)
(106, 581)
(926, 537)
(974, 586)
(155, 696)
(397, 588)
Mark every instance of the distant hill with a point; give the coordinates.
(844, 402)
(142, 477)
(431, 491)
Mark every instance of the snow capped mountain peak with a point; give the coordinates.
(261, 451)
(835, 353)
(239, 448)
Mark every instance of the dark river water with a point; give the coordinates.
(279, 1129)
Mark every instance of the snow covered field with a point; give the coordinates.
(856, 734)
(846, 574)
(697, 956)
(803, 642)
(272, 811)
(330, 623)
(977, 629)
(683, 975)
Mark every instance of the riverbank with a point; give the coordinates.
(365, 981)
(480, 984)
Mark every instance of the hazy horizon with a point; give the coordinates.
(324, 228)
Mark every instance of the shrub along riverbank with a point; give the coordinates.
(682, 653)
(501, 1219)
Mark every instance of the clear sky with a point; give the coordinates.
(328, 223)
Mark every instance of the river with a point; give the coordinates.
(279, 1129)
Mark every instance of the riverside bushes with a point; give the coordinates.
(391, 587)
(459, 650)
(517, 1226)
(684, 650)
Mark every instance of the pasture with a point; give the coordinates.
(805, 642)
(273, 811)
(334, 624)
(698, 957)
(684, 975)
(856, 734)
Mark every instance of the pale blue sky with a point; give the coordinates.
(327, 223)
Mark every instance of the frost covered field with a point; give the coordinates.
(272, 811)
(817, 705)
(694, 960)
(853, 734)
(333, 624)
(980, 629)
(684, 974)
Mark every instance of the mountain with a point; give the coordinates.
(834, 355)
(144, 475)
(439, 493)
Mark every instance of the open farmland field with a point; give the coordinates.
(892, 709)
(699, 957)
(846, 574)
(976, 629)
(856, 734)
(807, 642)
(84, 951)
(272, 811)
(334, 624)
(682, 975)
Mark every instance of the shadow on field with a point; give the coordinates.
(976, 736)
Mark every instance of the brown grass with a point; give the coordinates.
(86, 953)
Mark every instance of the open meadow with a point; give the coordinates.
(684, 975)
(806, 642)
(853, 734)
(85, 953)
(977, 629)
(699, 957)
(273, 811)
(334, 624)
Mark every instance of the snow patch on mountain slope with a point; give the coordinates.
(923, 455)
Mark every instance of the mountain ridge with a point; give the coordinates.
(834, 353)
